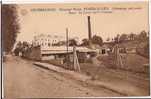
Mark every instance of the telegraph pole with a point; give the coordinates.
(67, 46)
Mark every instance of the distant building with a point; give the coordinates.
(46, 41)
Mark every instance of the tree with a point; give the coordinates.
(18, 48)
(97, 40)
(85, 42)
(10, 26)
(116, 39)
(146, 49)
(132, 36)
(60, 43)
(72, 42)
(143, 36)
(25, 44)
(123, 38)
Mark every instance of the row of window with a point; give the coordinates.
(44, 44)
(46, 40)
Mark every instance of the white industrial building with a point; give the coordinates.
(46, 41)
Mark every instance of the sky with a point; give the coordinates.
(120, 18)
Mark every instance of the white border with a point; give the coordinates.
(149, 21)
(84, 1)
(66, 1)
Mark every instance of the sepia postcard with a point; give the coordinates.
(75, 50)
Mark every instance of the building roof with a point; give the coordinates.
(63, 50)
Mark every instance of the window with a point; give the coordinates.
(103, 51)
(49, 44)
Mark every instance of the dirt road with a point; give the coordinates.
(24, 80)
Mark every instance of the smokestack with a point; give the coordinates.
(89, 28)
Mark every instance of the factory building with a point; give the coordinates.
(46, 41)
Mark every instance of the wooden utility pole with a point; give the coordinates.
(117, 57)
(76, 65)
(67, 45)
(67, 39)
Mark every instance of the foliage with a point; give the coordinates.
(123, 38)
(97, 40)
(132, 36)
(85, 42)
(60, 43)
(72, 42)
(143, 36)
(116, 39)
(143, 49)
(146, 49)
(10, 26)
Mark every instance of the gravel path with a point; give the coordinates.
(24, 80)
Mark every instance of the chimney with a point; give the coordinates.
(89, 28)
